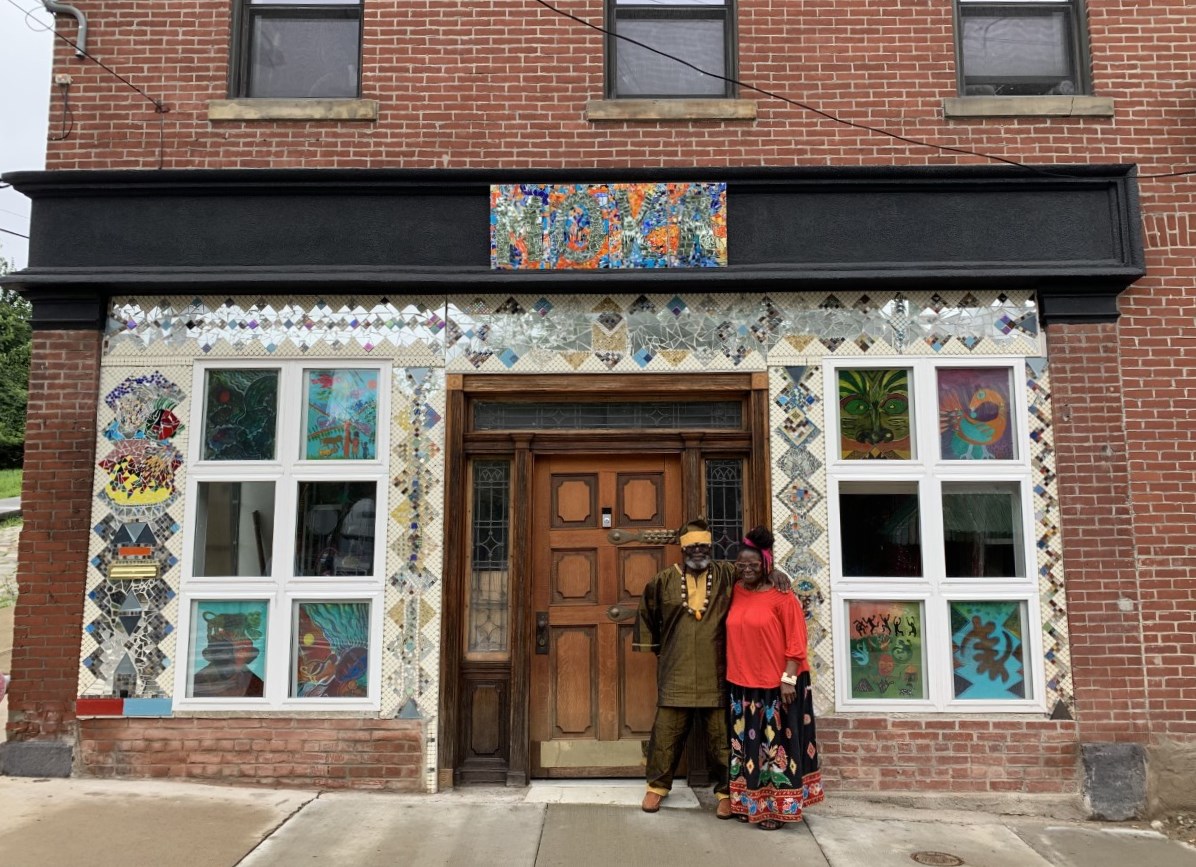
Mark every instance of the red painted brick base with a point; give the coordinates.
(274, 751)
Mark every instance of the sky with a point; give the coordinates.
(25, 58)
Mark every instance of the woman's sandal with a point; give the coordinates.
(769, 825)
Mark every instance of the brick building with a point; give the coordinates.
(373, 341)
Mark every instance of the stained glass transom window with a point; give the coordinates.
(673, 415)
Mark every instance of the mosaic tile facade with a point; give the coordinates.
(152, 343)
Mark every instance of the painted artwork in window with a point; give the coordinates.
(874, 415)
(982, 535)
(227, 657)
(987, 644)
(341, 415)
(887, 661)
(880, 530)
(335, 528)
(234, 529)
(331, 653)
(974, 414)
(241, 415)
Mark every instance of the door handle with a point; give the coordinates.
(542, 632)
(617, 613)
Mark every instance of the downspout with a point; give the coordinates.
(66, 9)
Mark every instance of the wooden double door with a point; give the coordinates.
(593, 699)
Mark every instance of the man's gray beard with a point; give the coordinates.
(697, 564)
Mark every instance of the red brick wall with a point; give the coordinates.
(292, 751)
(974, 755)
(56, 501)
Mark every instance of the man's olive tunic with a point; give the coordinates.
(691, 664)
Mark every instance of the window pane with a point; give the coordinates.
(331, 650)
(341, 414)
(975, 408)
(1022, 51)
(879, 531)
(982, 531)
(874, 415)
(335, 528)
(234, 529)
(304, 57)
(887, 659)
(489, 609)
(698, 41)
(724, 506)
(657, 415)
(987, 645)
(227, 658)
(241, 415)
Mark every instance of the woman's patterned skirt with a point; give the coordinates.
(774, 753)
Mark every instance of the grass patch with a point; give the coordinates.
(10, 483)
(13, 521)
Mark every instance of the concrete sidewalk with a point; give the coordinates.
(129, 823)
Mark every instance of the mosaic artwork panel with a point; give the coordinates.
(593, 226)
(240, 415)
(1048, 540)
(128, 622)
(986, 645)
(887, 655)
(331, 656)
(341, 415)
(336, 325)
(412, 601)
(974, 408)
(874, 414)
(227, 658)
(799, 486)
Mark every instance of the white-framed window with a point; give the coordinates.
(934, 578)
(1021, 47)
(284, 563)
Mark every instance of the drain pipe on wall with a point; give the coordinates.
(66, 9)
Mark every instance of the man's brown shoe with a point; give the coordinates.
(723, 810)
(651, 802)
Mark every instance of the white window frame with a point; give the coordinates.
(934, 589)
(283, 589)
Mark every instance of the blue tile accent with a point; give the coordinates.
(147, 707)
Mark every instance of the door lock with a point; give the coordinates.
(542, 632)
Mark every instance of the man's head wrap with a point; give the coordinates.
(696, 532)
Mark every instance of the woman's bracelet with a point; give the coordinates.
(790, 679)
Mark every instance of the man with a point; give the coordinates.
(682, 616)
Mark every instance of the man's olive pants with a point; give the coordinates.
(669, 733)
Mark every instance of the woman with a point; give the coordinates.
(774, 755)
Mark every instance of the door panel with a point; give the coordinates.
(592, 699)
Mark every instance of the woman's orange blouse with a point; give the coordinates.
(763, 631)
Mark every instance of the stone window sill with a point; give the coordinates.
(293, 109)
(1028, 106)
(670, 109)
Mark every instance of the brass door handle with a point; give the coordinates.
(617, 613)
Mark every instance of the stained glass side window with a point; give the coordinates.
(488, 628)
(240, 415)
(724, 506)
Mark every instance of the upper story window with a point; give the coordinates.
(1018, 48)
(297, 49)
(700, 32)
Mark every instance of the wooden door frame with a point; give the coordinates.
(462, 444)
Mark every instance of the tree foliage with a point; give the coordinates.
(15, 348)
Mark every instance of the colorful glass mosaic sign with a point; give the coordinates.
(341, 414)
(241, 415)
(874, 418)
(590, 226)
(886, 650)
(228, 648)
(332, 650)
(974, 406)
(987, 643)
